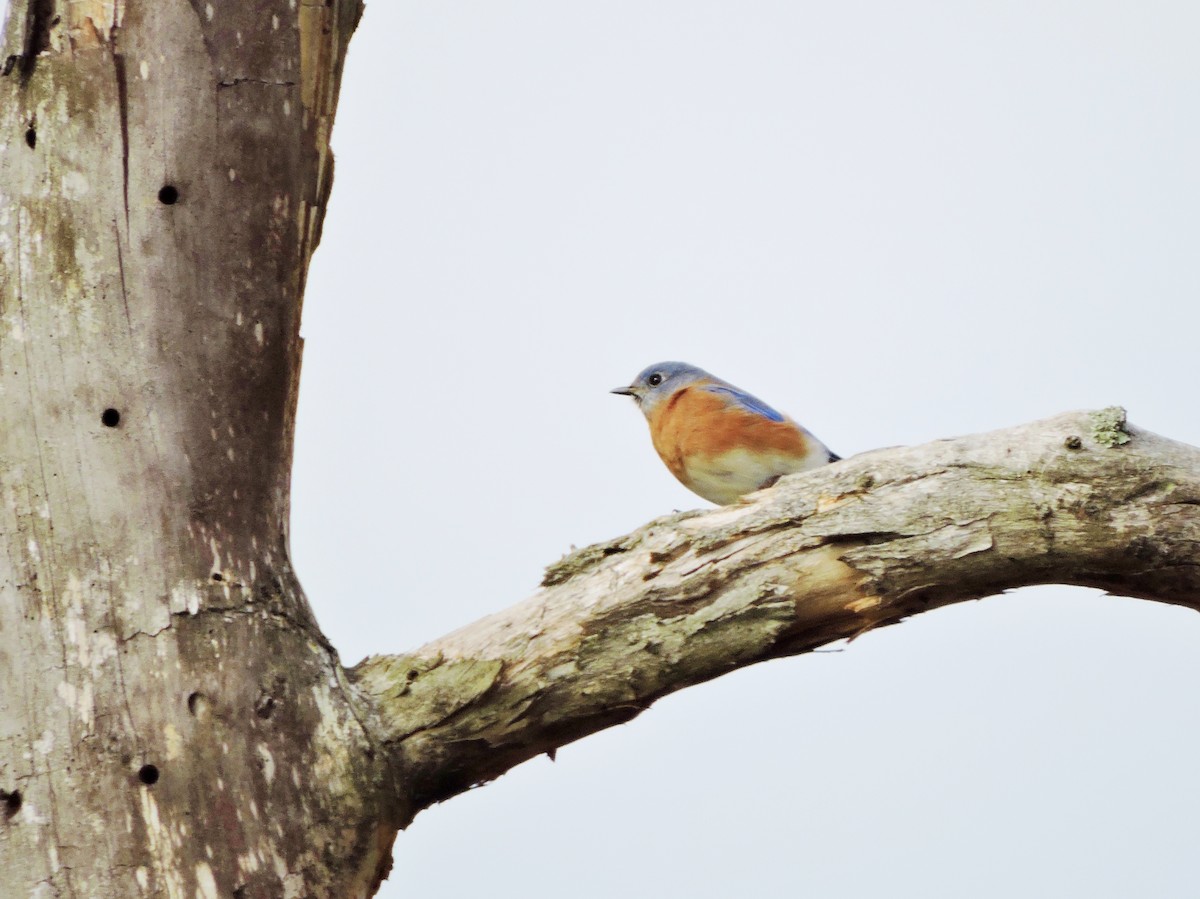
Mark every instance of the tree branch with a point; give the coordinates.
(826, 555)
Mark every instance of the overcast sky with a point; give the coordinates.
(895, 221)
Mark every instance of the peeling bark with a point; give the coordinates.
(826, 555)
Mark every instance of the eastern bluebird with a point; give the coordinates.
(719, 441)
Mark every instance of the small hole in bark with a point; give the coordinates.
(31, 137)
(1072, 442)
(168, 195)
(110, 418)
(12, 803)
(217, 576)
(197, 704)
(413, 674)
(148, 774)
(265, 707)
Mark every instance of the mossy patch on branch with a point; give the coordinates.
(582, 559)
(1108, 427)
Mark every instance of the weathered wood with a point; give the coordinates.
(172, 723)
(1079, 499)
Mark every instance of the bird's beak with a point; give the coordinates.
(624, 391)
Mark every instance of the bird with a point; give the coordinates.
(719, 441)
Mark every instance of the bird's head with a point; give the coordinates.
(657, 382)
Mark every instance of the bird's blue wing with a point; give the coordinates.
(744, 400)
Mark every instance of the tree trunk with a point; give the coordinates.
(172, 721)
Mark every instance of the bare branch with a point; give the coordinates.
(827, 555)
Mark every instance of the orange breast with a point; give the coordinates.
(696, 422)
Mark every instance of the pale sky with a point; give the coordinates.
(896, 222)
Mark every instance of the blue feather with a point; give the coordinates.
(746, 401)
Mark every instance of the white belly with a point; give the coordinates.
(722, 480)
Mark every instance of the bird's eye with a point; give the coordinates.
(654, 380)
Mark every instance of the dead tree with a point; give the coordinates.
(172, 721)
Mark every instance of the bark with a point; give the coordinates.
(172, 721)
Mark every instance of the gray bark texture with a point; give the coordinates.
(172, 721)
